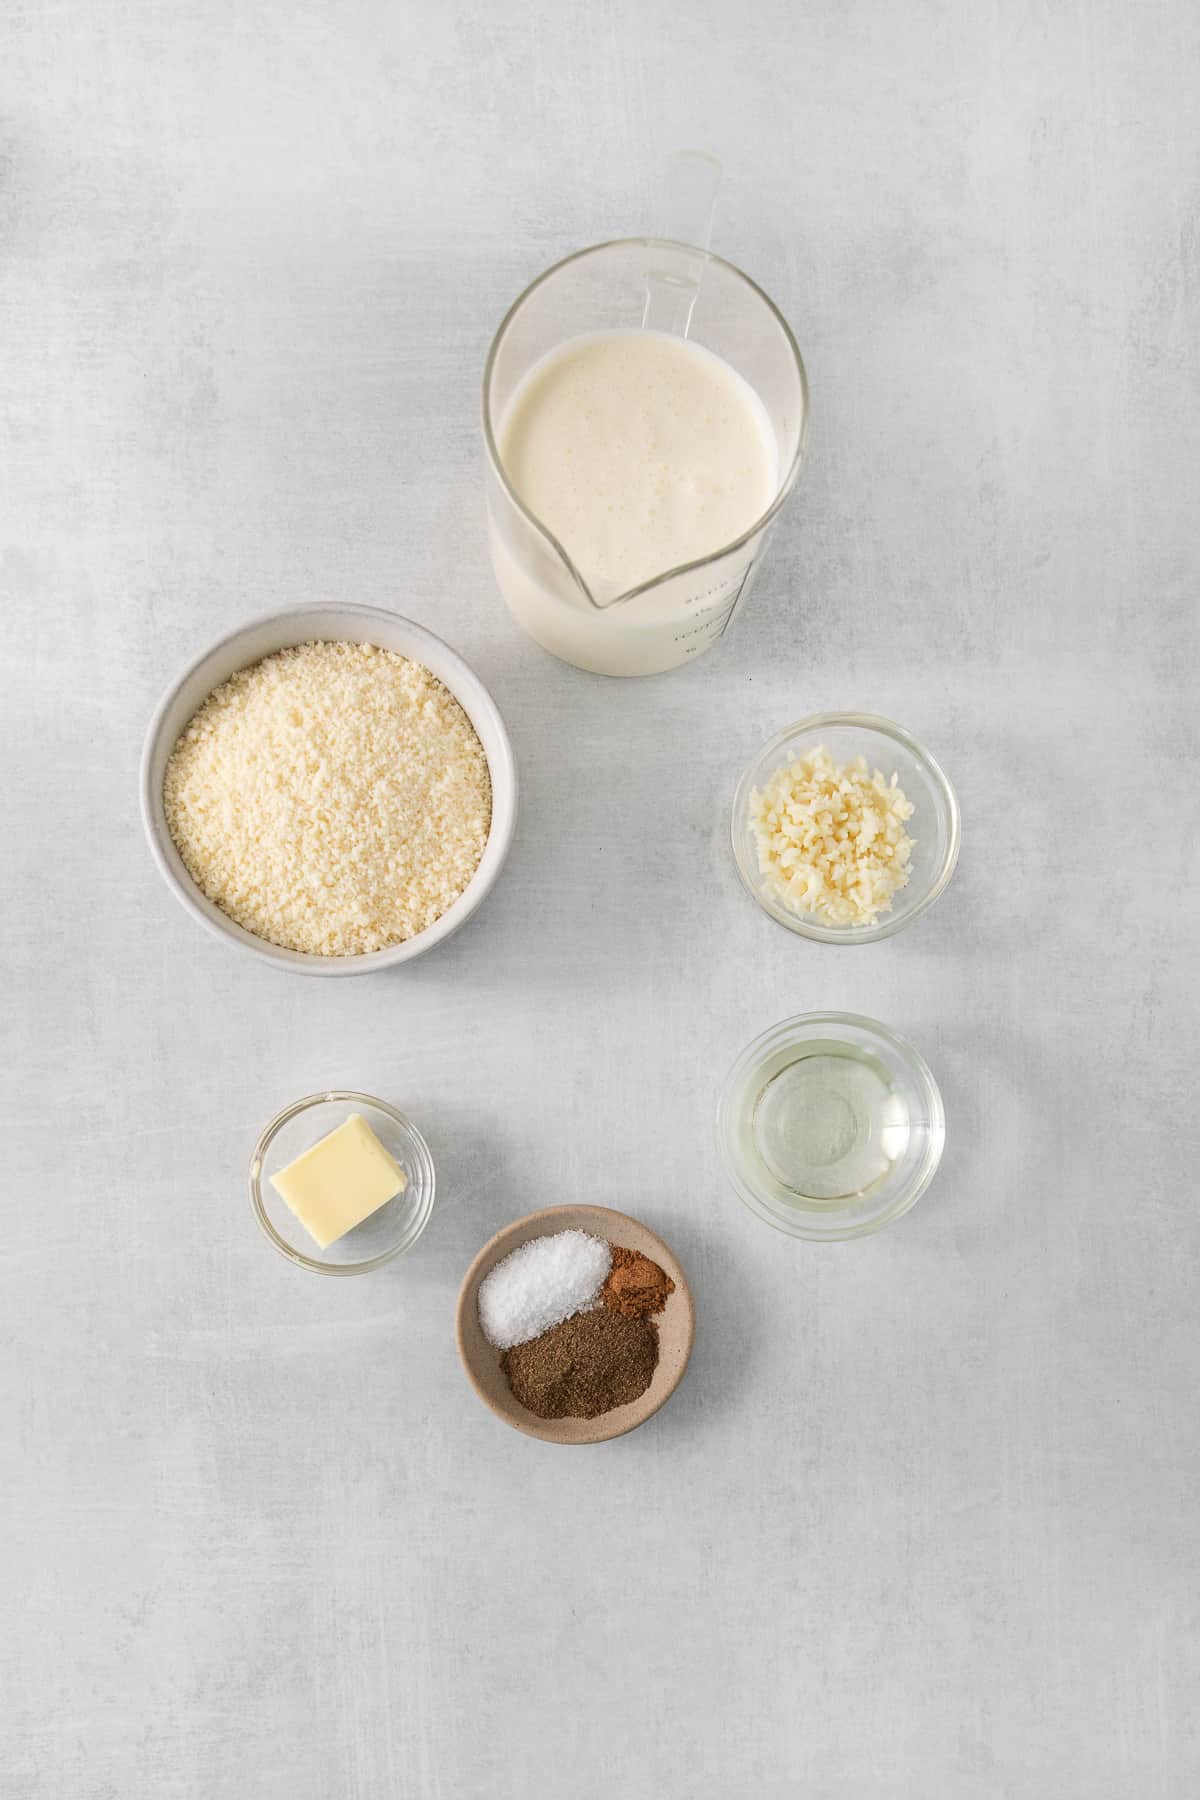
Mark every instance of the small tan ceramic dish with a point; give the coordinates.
(676, 1326)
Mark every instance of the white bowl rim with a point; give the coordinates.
(899, 918)
(466, 687)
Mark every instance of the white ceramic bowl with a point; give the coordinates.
(279, 631)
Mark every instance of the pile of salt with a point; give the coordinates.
(545, 1281)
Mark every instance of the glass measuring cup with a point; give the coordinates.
(683, 611)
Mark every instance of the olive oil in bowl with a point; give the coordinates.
(828, 1123)
(830, 1126)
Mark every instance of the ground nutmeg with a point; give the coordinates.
(635, 1286)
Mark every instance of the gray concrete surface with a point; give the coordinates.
(922, 1520)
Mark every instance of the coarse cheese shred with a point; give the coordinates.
(831, 838)
(333, 798)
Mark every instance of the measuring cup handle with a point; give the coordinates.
(691, 180)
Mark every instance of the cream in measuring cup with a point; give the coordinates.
(639, 451)
(634, 472)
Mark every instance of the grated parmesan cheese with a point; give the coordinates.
(333, 798)
(831, 840)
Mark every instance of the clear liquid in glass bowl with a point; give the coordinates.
(830, 1126)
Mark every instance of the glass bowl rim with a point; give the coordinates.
(918, 1068)
(328, 1096)
(892, 922)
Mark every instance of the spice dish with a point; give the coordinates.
(674, 1321)
(932, 823)
(318, 623)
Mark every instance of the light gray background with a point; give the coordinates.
(922, 1519)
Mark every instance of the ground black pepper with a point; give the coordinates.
(585, 1366)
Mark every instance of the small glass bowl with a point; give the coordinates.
(904, 1140)
(389, 1232)
(934, 824)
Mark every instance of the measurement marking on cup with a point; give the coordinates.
(737, 598)
(718, 588)
(714, 625)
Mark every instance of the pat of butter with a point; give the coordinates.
(340, 1182)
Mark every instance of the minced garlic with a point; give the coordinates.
(831, 839)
